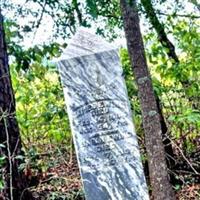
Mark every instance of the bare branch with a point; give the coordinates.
(41, 17)
(185, 158)
(178, 15)
(78, 12)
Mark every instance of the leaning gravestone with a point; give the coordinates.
(101, 122)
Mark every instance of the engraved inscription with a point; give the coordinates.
(105, 128)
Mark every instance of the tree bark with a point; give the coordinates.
(161, 188)
(10, 140)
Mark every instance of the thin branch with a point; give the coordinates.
(178, 15)
(78, 12)
(109, 15)
(4, 116)
(15, 149)
(185, 158)
(42, 14)
(41, 17)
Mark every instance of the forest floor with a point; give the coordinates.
(61, 180)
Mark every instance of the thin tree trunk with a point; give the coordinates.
(164, 40)
(166, 141)
(10, 140)
(162, 36)
(161, 188)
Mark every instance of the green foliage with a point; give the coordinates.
(178, 84)
(74, 195)
(22, 57)
(107, 14)
(40, 106)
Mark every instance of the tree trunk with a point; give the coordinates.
(14, 181)
(161, 188)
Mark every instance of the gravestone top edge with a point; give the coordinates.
(85, 43)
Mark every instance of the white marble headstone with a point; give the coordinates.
(101, 122)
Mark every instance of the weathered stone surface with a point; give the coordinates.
(101, 122)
